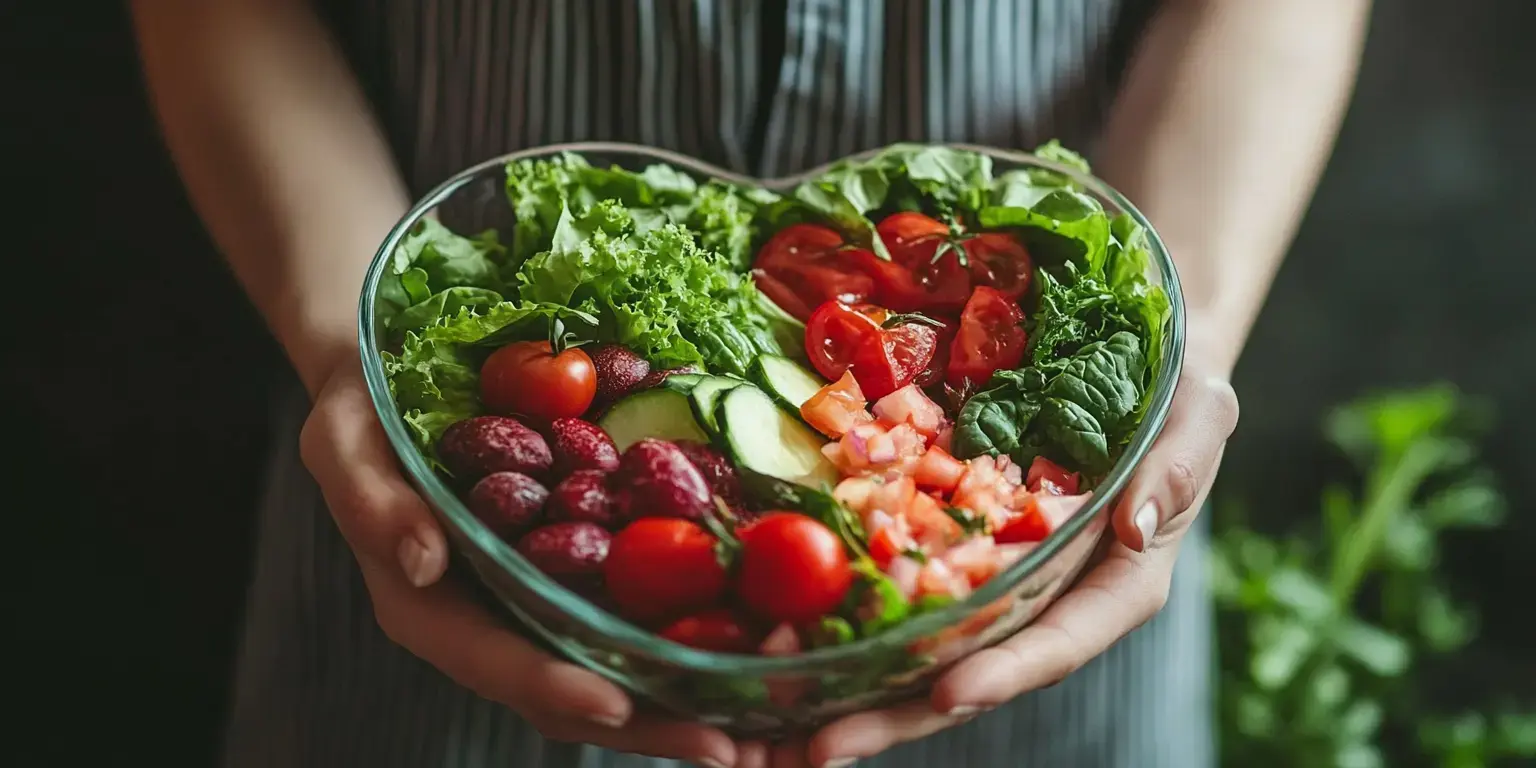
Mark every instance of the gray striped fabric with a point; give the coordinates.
(461, 80)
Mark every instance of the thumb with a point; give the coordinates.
(1182, 462)
(382, 517)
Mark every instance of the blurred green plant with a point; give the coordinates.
(1320, 627)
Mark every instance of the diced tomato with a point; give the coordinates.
(1049, 477)
(855, 492)
(909, 405)
(977, 559)
(871, 448)
(837, 407)
(1037, 516)
(931, 525)
(987, 488)
(937, 578)
(893, 497)
(945, 438)
(991, 338)
(939, 471)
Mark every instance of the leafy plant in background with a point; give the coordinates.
(1321, 628)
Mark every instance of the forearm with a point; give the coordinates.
(281, 157)
(1225, 122)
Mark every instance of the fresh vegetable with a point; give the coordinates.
(788, 382)
(717, 630)
(705, 395)
(582, 497)
(659, 569)
(656, 479)
(803, 266)
(542, 380)
(885, 352)
(765, 438)
(577, 445)
(837, 407)
(990, 338)
(662, 413)
(476, 447)
(507, 502)
(689, 373)
(792, 568)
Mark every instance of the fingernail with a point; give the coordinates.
(421, 561)
(609, 721)
(841, 762)
(1145, 520)
(964, 710)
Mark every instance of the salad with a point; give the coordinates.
(761, 423)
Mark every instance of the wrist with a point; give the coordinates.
(1212, 345)
(317, 349)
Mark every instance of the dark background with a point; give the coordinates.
(135, 376)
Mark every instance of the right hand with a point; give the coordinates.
(403, 555)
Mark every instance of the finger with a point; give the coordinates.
(790, 754)
(754, 754)
(1117, 596)
(1182, 463)
(867, 734)
(443, 626)
(380, 514)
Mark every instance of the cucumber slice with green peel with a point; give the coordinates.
(682, 382)
(661, 413)
(706, 396)
(788, 381)
(762, 436)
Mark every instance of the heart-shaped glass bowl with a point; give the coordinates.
(752, 695)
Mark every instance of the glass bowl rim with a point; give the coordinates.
(627, 638)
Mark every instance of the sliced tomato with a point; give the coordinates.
(916, 281)
(999, 261)
(1046, 476)
(894, 359)
(807, 262)
(991, 338)
(835, 331)
(837, 407)
(944, 340)
(931, 525)
(781, 294)
(905, 229)
(719, 630)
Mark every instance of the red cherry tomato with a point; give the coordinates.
(835, 331)
(661, 568)
(991, 338)
(530, 378)
(806, 266)
(719, 631)
(917, 277)
(999, 261)
(905, 229)
(792, 568)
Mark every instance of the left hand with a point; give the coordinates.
(1125, 589)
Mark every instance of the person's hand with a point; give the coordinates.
(403, 555)
(1125, 589)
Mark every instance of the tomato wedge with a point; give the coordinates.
(841, 337)
(1000, 262)
(835, 331)
(991, 338)
(894, 358)
(805, 265)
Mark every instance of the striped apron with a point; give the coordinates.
(759, 87)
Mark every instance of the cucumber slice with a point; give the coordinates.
(662, 413)
(763, 437)
(682, 382)
(786, 380)
(706, 396)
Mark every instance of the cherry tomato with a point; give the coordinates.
(835, 331)
(999, 261)
(918, 276)
(905, 229)
(991, 338)
(792, 568)
(807, 261)
(719, 631)
(534, 379)
(661, 568)
(893, 359)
